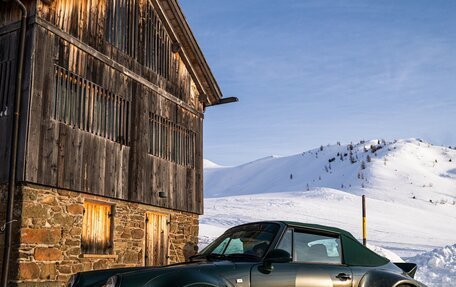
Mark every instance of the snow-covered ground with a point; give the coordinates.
(438, 267)
(410, 187)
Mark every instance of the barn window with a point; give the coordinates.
(171, 141)
(150, 46)
(157, 49)
(122, 25)
(5, 88)
(97, 228)
(85, 105)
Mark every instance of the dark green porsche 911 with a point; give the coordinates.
(268, 254)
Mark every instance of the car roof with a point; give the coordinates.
(309, 226)
(355, 254)
(318, 227)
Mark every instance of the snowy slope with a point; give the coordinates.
(410, 187)
(406, 230)
(210, 164)
(396, 171)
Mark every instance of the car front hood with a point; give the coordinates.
(220, 273)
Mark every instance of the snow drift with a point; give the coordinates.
(437, 267)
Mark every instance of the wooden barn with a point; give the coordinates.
(109, 148)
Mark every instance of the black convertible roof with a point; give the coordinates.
(318, 227)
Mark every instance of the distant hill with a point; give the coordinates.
(404, 169)
(210, 164)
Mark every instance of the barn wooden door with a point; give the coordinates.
(156, 253)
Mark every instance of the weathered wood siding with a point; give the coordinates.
(92, 113)
(127, 31)
(7, 89)
(9, 31)
(11, 14)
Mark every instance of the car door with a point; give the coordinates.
(316, 262)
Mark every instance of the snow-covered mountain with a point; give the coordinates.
(387, 171)
(207, 164)
(410, 187)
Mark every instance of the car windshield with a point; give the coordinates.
(247, 241)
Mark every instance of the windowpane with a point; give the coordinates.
(286, 242)
(315, 248)
(235, 246)
(253, 239)
(221, 247)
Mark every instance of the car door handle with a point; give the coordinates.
(343, 277)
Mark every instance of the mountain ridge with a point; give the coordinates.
(411, 167)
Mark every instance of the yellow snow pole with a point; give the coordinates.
(364, 221)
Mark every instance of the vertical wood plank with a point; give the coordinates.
(34, 144)
(157, 245)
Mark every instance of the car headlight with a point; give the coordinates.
(112, 282)
(72, 281)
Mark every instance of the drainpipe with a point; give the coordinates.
(14, 144)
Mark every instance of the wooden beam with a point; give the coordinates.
(106, 60)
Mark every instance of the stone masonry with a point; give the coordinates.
(3, 202)
(49, 239)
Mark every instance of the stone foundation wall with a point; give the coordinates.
(3, 202)
(14, 225)
(51, 229)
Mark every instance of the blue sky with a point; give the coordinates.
(309, 73)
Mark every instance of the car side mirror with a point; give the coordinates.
(275, 256)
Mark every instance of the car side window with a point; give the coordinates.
(315, 248)
(286, 243)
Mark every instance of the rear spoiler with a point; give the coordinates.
(409, 268)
